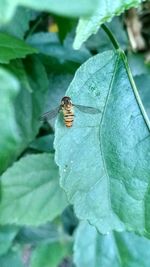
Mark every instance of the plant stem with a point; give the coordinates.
(137, 96)
(125, 61)
(111, 36)
(34, 28)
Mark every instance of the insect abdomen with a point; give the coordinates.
(68, 117)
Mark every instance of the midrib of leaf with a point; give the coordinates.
(16, 47)
(144, 206)
(28, 192)
(49, 198)
(100, 136)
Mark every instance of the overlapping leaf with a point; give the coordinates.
(105, 11)
(20, 110)
(104, 158)
(8, 133)
(30, 192)
(12, 48)
(73, 8)
(92, 249)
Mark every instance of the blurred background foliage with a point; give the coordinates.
(38, 62)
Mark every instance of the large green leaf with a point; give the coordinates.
(12, 48)
(30, 192)
(105, 11)
(104, 158)
(20, 110)
(92, 249)
(69, 8)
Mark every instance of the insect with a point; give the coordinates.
(67, 107)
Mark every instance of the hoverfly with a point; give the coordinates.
(67, 107)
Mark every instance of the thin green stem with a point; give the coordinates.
(124, 59)
(34, 28)
(135, 89)
(111, 36)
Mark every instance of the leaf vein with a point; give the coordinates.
(100, 131)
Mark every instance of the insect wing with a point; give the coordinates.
(86, 109)
(50, 114)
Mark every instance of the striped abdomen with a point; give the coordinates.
(68, 116)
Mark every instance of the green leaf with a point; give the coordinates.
(70, 9)
(10, 259)
(30, 192)
(8, 134)
(105, 11)
(49, 255)
(92, 249)
(12, 48)
(7, 235)
(19, 24)
(104, 158)
(20, 110)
